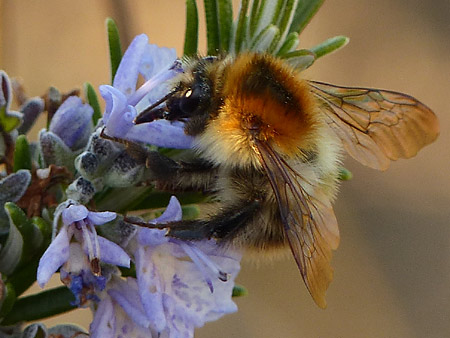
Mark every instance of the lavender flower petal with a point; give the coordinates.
(104, 322)
(56, 254)
(150, 288)
(128, 71)
(155, 59)
(154, 237)
(161, 133)
(126, 295)
(115, 101)
(103, 217)
(113, 254)
(154, 87)
(72, 122)
(172, 213)
(74, 213)
(195, 302)
(118, 116)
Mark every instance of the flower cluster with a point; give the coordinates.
(171, 286)
(178, 285)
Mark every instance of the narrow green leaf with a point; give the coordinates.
(191, 211)
(11, 251)
(330, 45)
(286, 18)
(225, 10)
(304, 13)
(277, 12)
(191, 33)
(239, 291)
(266, 39)
(92, 99)
(290, 44)
(263, 18)
(8, 299)
(44, 227)
(345, 174)
(22, 156)
(253, 16)
(8, 120)
(115, 51)
(32, 237)
(300, 59)
(51, 302)
(24, 276)
(241, 28)
(212, 27)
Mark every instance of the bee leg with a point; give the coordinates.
(222, 226)
(167, 173)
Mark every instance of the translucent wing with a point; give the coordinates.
(309, 222)
(376, 126)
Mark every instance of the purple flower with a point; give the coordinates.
(120, 313)
(72, 122)
(179, 285)
(124, 101)
(80, 260)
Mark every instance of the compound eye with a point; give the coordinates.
(190, 101)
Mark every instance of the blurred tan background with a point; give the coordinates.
(392, 269)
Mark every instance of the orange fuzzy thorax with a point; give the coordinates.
(267, 100)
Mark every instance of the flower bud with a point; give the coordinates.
(72, 122)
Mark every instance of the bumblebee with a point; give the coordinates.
(269, 147)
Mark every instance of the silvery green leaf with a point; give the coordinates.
(36, 330)
(267, 39)
(12, 188)
(31, 234)
(285, 20)
(300, 59)
(11, 252)
(55, 151)
(330, 45)
(67, 331)
(290, 44)
(262, 17)
(304, 13)
(240, 35)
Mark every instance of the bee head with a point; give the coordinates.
(190, 97)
